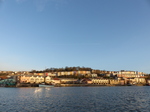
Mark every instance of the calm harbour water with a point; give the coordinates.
(75, 99)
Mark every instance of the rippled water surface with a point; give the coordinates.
(75, 99)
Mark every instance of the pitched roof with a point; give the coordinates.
(3, 77)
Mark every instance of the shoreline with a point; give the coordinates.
(74, 85)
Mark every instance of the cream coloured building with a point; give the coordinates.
(94, 75)
(37, 81)
(140, 80)
(24, 79)
(48, 79)
(100, 81)
(130, 74)
(55, 81)
(64, 80)
(114, 82)
(32, 79)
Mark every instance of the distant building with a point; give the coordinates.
(94, 75)
(130, 74)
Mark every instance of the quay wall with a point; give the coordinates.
(27, 85)
(79, 85)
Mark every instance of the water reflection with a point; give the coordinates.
(37, 90)
(47, 88)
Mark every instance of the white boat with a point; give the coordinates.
(45, 85)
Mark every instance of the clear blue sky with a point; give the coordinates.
(101, 34)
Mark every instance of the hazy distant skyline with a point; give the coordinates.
(102, 34)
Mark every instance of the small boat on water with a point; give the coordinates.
(45, 85)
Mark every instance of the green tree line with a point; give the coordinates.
(63, 69)
(3, 74)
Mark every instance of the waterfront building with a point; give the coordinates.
(122, 82)
(108, 81)
(41, 79)
(32, 79)
(37, 81)
(100, 81)
(148, 82)
(67, 80)
(140, 80)
(24, 79)
(86, 81)
(89, 81)
(7, 82)
(115, 82)
(55, 81)
(48, 79)
(136, 80)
